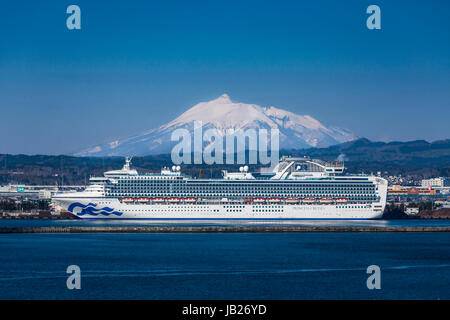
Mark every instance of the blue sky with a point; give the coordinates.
(135, 65)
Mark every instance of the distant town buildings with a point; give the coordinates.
(403, 194)
(400, 180)
(34, 192)
(397, 190)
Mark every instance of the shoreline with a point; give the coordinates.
(219, 229)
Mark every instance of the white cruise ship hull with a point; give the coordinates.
(115, 209)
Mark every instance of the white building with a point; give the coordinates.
(435, 182)
(45, 194)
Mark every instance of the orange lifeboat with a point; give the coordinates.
(341, 200)
(190, 200)
(259, 200)
(292, 200)
(143, 199)
(274, 200)
(309, 200)
(127, 199)
(326, 200)
(158, 199)
(173, 200)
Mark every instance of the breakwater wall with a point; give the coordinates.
(217, 229)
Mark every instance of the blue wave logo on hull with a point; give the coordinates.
(90, 209)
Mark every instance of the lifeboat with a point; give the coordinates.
(326, 200)
(173, 200)
(248, 200)
(158, 199)
(309, 200)
(190, 200)
(259, 200)
(127, 199)
(274, 200)
(143, 199)
(291, 200)
(341, 200)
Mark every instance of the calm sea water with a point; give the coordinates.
(225, 266)
(132, 223)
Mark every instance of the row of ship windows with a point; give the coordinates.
(239, 191)
(234, 193)
(228, 187)
(239, 196)
(173, 209)
(239, 186)
(353, 196)
(209, 182)
(265, 206)
(231, 210)
(349, 207)
(243, 189)
(162, 190)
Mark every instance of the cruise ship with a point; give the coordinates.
(297, 188)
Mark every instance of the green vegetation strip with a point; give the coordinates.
(209, 229)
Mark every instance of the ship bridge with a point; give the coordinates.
(299, 168)
(125, 171)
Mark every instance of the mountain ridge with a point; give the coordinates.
(418, 158)
(296, 131)
(415, 151)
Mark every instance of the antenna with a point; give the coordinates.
(126, 166)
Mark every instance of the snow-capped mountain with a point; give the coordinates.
(222, 113)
